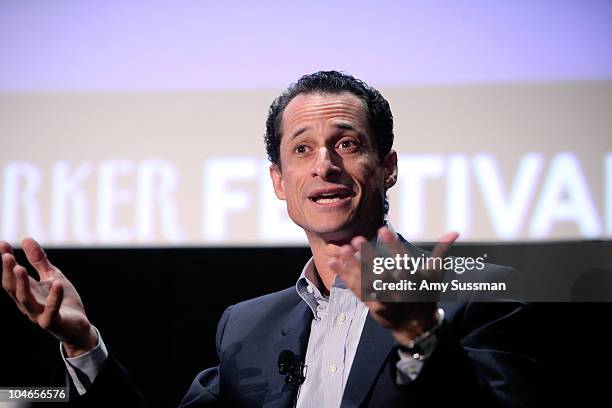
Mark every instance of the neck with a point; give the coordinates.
(325, 250)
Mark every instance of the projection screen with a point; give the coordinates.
(133, 125)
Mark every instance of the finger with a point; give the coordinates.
(349, 269)
(391, 248)
(351, 281)
(24, 292)
(391, 241)
(348, 258)
(363, 261)
(8, 263)
(37, 257)
(5, 248)
(385, 235)
(357, 243)
(54, 301)
(444, 244)
(8, 277)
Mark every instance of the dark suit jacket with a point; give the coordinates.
(483, 360)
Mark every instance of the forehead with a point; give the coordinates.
(312, 107)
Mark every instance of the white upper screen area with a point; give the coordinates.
(142, 122)
(100, 45)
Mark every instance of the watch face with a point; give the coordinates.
(424, 345)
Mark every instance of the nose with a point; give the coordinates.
(324, 165)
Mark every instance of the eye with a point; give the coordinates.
(300, 149)
(347, 144)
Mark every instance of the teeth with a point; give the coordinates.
(327, 200)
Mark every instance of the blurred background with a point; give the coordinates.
(141, 123)
(131, 145)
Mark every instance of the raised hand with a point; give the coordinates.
(406, 320)
(51, 302)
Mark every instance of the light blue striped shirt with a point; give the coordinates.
(334, 336)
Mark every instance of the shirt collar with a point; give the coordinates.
(308, 287)
(308, 279)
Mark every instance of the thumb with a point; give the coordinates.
(444, 243)
(52, 307)
(37, 257)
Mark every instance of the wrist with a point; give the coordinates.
(422, 346)
(416, 328)
(88, 343)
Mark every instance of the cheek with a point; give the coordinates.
(370, 175)
(292, 186)
(372, 185)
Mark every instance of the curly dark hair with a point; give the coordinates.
(377, 108)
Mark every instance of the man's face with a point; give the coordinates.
(331, 176)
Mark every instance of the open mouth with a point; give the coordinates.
(329, 197)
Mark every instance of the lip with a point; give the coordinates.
(340, 190)
(346, 195)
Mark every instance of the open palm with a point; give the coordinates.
(51, 302)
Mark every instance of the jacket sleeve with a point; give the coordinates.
(113, 385)
(205, 388)
(484, 359)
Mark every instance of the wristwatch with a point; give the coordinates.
(424, 345)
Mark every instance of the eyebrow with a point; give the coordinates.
(347, 126)
(298, 132)
(343, 126)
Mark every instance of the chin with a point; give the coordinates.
(339, 233)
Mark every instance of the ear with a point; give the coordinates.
(277, 182)
(390, 164)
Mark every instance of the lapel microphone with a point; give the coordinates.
(295, 372)
(289, 366)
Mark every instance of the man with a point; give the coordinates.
(329, 139)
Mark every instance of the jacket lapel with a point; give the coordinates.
(374, 347)
(294, 335)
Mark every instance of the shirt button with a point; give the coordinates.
(341, 317)
(332, 368)
(309, 289)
